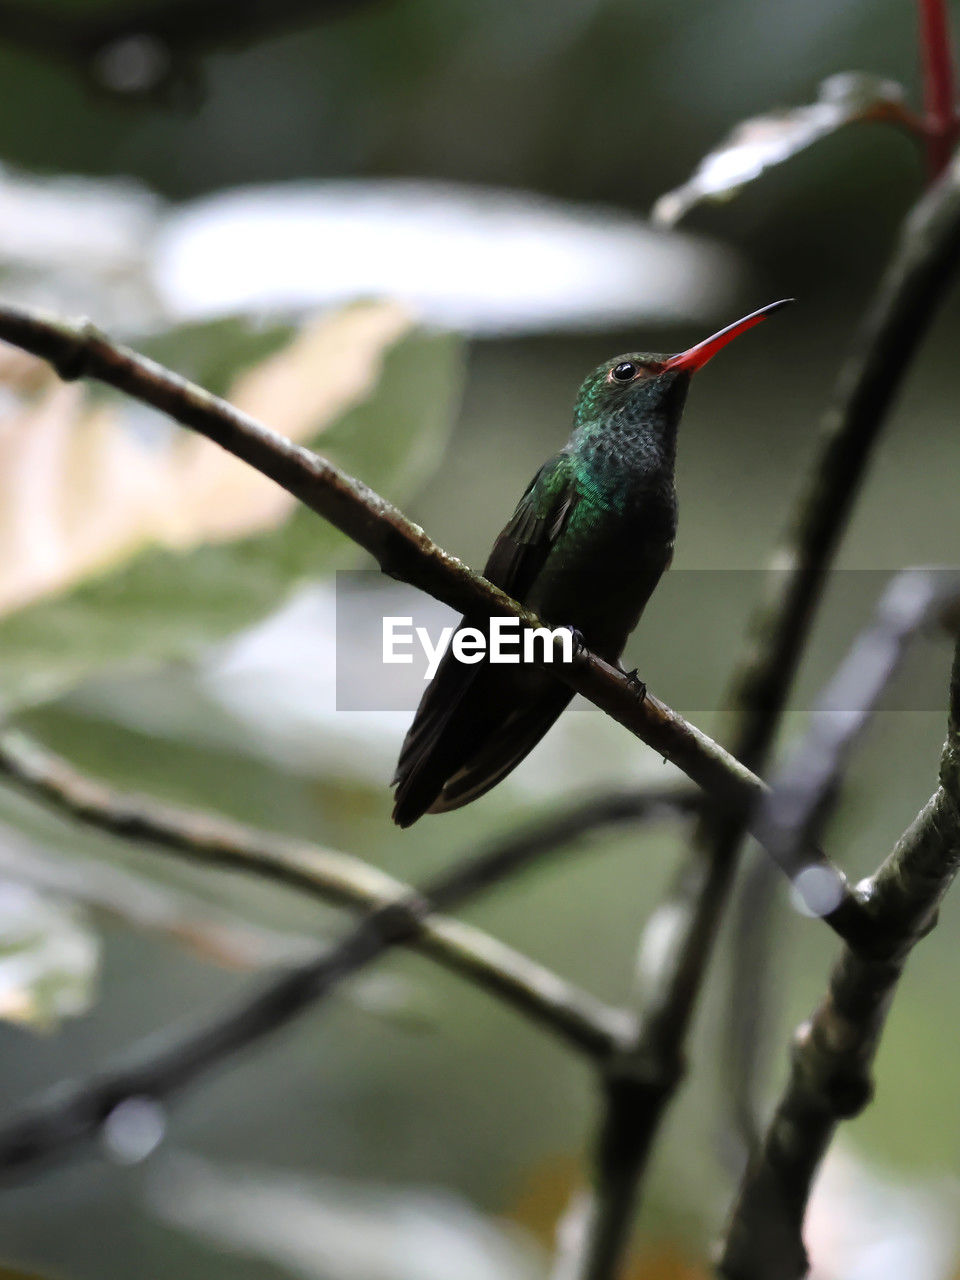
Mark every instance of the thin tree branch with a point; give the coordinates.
(921, 272)
(918, 277)
(108, 892)
(800, 798)
(401, 548)
(940, 129)
(165, 1064)
(794, 810)
(833, 1053)
(168, 1062)
(942, 123)
(587, 1024)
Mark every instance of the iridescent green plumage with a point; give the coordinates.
(585, 547)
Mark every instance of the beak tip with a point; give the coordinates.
(696, 357)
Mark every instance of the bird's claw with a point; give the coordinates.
(637, 686)
(579, 643)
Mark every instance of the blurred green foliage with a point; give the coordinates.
(169, 604)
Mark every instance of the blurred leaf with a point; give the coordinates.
(544, 1193)
(545, 1197)
(202, 923)
(474, 258)
(73, 223)
(316, 1229)
(214, 352)
(762, 141)
(197, 543)
(81, 489)
(89, 235)
(479, 259)
(138, 901)
(48, 959)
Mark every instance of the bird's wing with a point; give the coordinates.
(522, 548)
(439, 741)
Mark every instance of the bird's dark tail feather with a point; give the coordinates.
(470, 751)
(439, 740)
(502, 751)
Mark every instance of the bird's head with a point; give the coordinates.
(641, 386)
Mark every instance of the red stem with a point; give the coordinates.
(939, 83)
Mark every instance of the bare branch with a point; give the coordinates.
(798, 803)
(111, 893)
(399, 916)
(401, 548)
(917, 279)
(167, 1062)
(583, 1021)
(793, 811)
(834, 1052)
(921, 272)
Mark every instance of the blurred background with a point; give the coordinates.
(403, 231)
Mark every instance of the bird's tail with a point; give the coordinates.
(502, 750)
(458, 749)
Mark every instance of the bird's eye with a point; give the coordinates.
(625, 371)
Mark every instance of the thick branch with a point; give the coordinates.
(833, 1053)
(583, 1021)
(800, 799)
(920, 274)
(916, 281)
(914, 286)
(401, 548)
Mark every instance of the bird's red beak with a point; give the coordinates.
(696, 357)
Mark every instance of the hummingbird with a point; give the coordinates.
(587, 544)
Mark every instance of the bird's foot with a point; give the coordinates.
(579, 643)
(637, 686)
